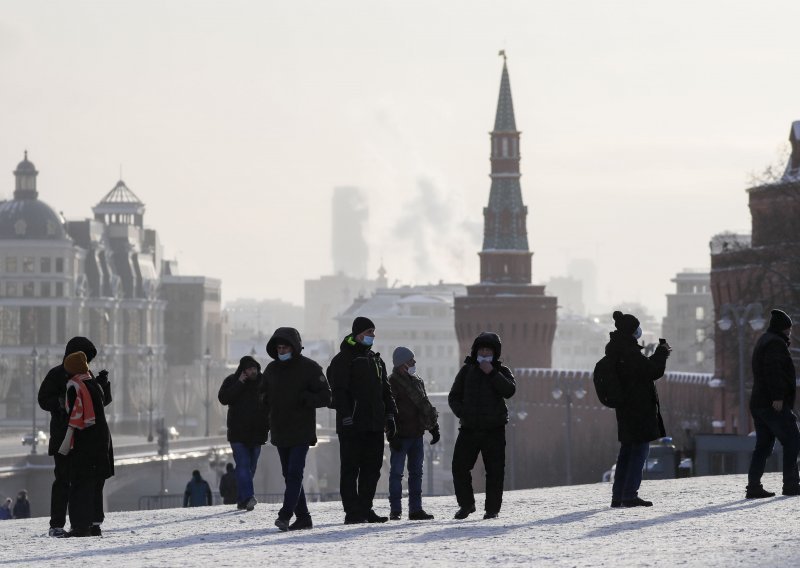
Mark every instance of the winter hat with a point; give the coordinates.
(626, 323)
(362, 324)
(81, 344)
(401, 355)
(75, 363)
(779, 320)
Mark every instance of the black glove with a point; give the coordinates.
(435, 436)
(102, 377)
(391, 428)
(396, 444)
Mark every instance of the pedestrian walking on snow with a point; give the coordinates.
(198, 492)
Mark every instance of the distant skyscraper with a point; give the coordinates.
(585, 270)
(349, 246)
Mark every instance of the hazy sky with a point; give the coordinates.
(233, 121)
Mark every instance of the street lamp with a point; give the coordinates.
(207, 361)
(35, 360)
(738, 315)
(578, 393)
(150, 383)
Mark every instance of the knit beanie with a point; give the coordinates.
(362, 324)
(75, 363)
(779, 320)
(401, 355)
(626, 323)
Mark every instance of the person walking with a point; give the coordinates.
(415, 414)
(22, 508)
(639, 420)
(478, 398)
(294, 387)
(227, 486)
(247, 425)
(51, 397)
(772, 407)
(198, 492)
(365, 409)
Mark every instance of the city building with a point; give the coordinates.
(689, 323)
(252, 322)
(579, 343)
(348, 242)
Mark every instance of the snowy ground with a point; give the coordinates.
(695, 522)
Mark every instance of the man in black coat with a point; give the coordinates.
(365, 408)
(638, 415)
(247, 425)
(478, 398)
(772, 404)
(293, 388)
(227, 486)
(52, 397)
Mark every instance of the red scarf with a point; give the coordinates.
(82, 415)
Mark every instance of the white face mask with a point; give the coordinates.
(485, 359)
(412, 370)
(638, 333)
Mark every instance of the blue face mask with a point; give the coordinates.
(485, 359)
(285, 356)
(638, 333)
(368, 340)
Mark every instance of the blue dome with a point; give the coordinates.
(30, 219)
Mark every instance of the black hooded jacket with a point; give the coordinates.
(247, 421)
(639, 416)
(53, 392)
(773, 371)
(360, 388)
(478, 399)
(292, 391)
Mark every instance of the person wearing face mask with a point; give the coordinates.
(772, 404)
(638, 414)
(415, 414)
(478, 399)
(365, 408)
(247, 426)
(292, 390)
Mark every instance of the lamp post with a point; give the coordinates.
(35, 360)
(207, 361)
(578, 393)
(738, 315)
(150, 386)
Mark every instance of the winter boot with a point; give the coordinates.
(791, 490)
(757, 492)
(56, 532)
(354, 519)
(282, 524)
(79, 532)
(301, 523)
(636, 502)
(250, 504)
(464, 512)
(490, 515)
(95, 530)
(395, 515)
(420, 515)
(616, 503)
(373, 517)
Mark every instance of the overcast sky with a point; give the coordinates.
(233, 121)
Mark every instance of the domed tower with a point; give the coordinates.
(505, 301)
(39, 286)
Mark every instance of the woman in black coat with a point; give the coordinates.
(638, 415)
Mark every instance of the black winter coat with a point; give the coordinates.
(291, 392)
(774, 376)
(247, 420)
(229, 488)
(639, 415)
(360, 388)
(478, 399)
(411, 420)
(92, 453)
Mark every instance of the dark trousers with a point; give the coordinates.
(86, 501)
(628, 473)
(361, 456)
(771, 424)
(59, 494)
(293, 462)
(491, 444)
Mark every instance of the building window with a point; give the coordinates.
(11, 264)
(28, 290)
(45, 264)
(505, 147)
(700, 357)
(701, 335)
(27, 264)
(700, 313)
(59, 265)
(45, 289)
(59, 289)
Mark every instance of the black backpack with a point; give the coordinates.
(607, 383)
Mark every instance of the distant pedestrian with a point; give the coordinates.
(88, 445)
(247, 425)
(772, 407)
(365, 409)
(52, 397)
(22, 508)
(198, 492)
(415, 415)
(227, 486)
(293, 388)
(478, 399)
(639, 419)
(5, 510)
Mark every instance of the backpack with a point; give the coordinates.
(607, 383)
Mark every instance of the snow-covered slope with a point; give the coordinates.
(695, 522)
